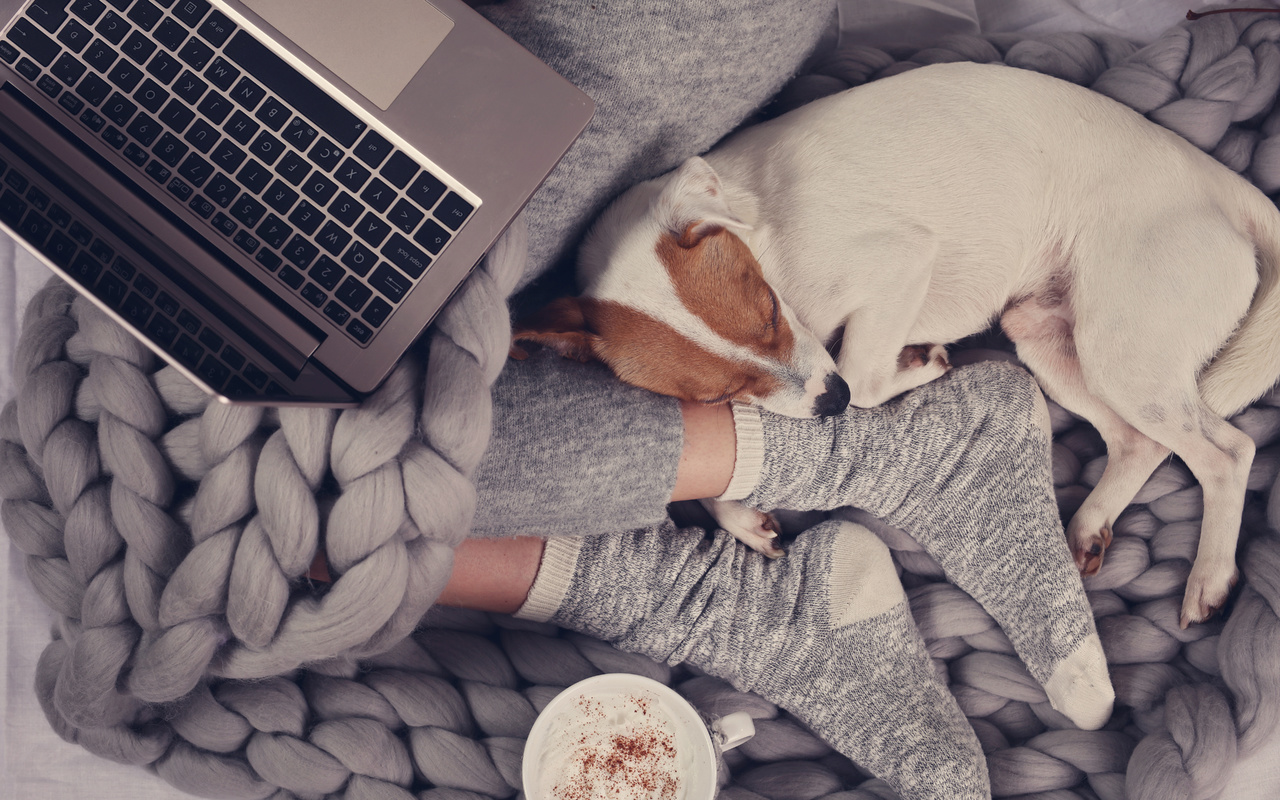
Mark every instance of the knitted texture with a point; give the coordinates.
(137, 504)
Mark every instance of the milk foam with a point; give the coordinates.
(615, 746)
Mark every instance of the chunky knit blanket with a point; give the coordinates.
(172, 537)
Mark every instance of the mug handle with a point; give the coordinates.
(733, 729)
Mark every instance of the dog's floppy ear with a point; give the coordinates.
(692, 205)
(562, 326)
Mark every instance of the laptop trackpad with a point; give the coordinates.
(377, 46)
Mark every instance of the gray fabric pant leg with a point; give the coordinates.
(670, 79)
(573, 452)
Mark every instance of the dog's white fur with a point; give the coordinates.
(1136, 275)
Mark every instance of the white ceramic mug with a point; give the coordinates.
(628, 735)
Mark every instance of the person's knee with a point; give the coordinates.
(1004, 403)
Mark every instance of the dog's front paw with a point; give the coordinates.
(1088, 545)
(931, 357)
(755, 529)
(1207, 591)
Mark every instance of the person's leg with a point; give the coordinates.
(825, 633)
(963, 465)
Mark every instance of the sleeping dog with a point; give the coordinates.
(1135, 275)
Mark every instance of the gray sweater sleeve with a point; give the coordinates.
(574, 452)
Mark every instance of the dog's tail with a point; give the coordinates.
(1249, 364)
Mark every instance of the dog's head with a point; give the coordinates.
(675, 302)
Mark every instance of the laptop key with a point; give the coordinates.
(136, 310)
(75, 37)
(254, 176)
(273, 114)
(203, 208)
(99, 55)
(138, 47)
(86, 270)
(93, 89)
(291, 277)
(337, 313)
(177, 116)
(325, 154)
(190, 12)
(432, 236)
(293, 168)
(158, 172)
(426, 190)
(179, 189)
(170, 150)
(353, 293)
(48, 14)
(216, 29)
(221, 73)
(406, 216)
(378, 195)
(151, 96)
(202, 136)
(164, 67)
(359, 259)
(248, 94)
(28, 69)
(346, 209)
(389, 282)
(274, 231)
(189, 87)
(399, 170)
(227, 156)
(114, 137)
(248, 210)
(167, 304)
(196, 53)
(372, 229)
(125, 75)
(453, 211)
(135, 153)
(319, 188)
(162, 330)
(221, 190)
(215, 107)
(196, 170)
(373, 149)
(352, 175)
(34, 42)
(280, 197)
(326, 272)
(313, 295)
(224, 224)
(145, 129)
(111, 290)
(8, 53)
(188, 351)
(333, 238)
(170, 34)
(300, 252)
(376, 312)
(361, 332)
(113, 28)
(88, 10)
(49, 86)
(240, 127)
(307, 217)
(405, 256)
(92, 120)
(68, 69)
(214, 372)
(145, 14)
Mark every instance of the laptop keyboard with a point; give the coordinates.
(318, 197)
(70, 242)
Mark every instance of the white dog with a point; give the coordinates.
(1136, 276)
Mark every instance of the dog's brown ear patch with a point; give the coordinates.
(562, 326)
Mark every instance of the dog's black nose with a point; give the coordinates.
(834, 400)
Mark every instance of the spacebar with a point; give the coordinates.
(294, 88)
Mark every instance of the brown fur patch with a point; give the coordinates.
(718, 280)
(650, 354)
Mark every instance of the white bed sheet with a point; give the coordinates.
(35, 763)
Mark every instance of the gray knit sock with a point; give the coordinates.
(963, 465)
(825, 633)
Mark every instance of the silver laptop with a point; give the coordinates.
(277, 196)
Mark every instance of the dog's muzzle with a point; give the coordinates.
(834, 400)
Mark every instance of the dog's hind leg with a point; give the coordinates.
(1046, 346)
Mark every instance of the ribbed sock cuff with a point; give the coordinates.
(559, 559)
(749, 457)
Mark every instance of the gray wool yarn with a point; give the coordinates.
(157, 663)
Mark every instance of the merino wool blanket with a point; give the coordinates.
(171, 537)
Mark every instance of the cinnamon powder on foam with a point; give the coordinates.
(639, 764)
